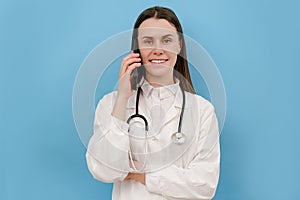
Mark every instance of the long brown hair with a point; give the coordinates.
(181, 64)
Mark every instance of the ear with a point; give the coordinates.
(180, 45)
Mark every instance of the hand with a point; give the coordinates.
(129, 63)
(140, 177)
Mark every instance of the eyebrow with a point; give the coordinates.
(168, 35)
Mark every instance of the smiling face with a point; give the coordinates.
(159, 45)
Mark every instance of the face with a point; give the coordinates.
(159, 45)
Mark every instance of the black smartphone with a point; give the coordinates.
(135, 72)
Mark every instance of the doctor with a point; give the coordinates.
(152, 164)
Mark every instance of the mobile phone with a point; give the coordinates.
(135, 72)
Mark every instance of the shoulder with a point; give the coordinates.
(111, 95)
(108, 99)
(206, 115)
(198, 102)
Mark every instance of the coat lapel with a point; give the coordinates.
(172, 114)
(143, 110)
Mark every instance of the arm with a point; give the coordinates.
(107, 153)
(199, 179)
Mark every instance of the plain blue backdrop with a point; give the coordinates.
(255, 45)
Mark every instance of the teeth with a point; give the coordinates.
(158, 61)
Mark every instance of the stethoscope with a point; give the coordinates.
(177, 137)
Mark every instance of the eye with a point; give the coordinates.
(167, 41)
(148, 42)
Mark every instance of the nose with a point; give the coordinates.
(157, 49)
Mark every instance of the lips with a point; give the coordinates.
(158, 61)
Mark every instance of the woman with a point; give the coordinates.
(165, 165)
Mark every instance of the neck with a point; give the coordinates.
(159, 81)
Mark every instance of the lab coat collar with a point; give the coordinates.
(177, 92)
(172, 113)
(163, 92)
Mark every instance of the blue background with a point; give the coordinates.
(255, 45)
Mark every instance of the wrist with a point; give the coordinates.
(122, 98)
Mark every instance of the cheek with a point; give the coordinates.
(173, 57)
(144, 54)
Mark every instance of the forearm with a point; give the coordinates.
(102, 172)
(119, 109)
(179, 183)
(107, 153)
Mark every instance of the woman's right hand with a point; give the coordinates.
(129, 63)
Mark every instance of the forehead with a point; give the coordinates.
(156, 28)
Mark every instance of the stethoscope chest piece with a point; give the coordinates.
(178, 138)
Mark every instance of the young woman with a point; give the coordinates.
(155, 138)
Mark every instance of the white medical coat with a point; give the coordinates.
(193, 174)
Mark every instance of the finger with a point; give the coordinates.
(131, 61)
(125, 62)
(129, 56)
(132, 67)
(129, 70)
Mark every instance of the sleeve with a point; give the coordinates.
(200, 178)
(107, 153)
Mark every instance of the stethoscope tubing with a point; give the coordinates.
(137, 115)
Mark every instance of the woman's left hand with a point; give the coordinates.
(140, 177)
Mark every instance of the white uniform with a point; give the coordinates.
(190, 171)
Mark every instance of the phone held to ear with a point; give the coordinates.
(135, 73)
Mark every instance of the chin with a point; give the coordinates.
(157, 69)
